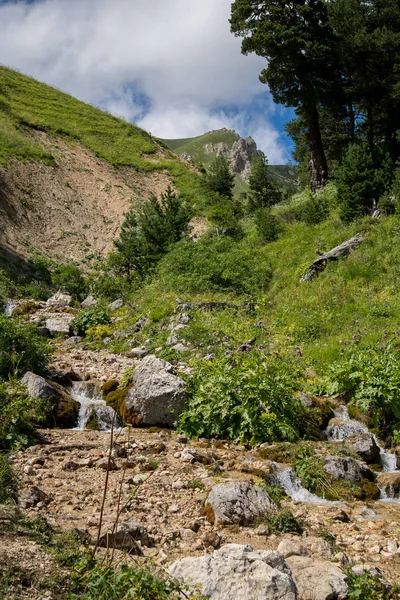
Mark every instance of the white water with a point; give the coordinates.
(90, 399)
(343, 430)
(8, 308)
(346, 428)
(293, 488)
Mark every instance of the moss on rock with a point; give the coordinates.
(109, 386)
(116, 399)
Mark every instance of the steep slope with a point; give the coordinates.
(69, 172)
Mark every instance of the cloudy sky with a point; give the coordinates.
(171, 66)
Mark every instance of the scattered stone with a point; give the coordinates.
(127, 536)
(116, 304)
(180, 347)
(237, 502)
(58, 326)
(220, 575)
(103, 463)
(70, 466)
(72, 341)
(290, 548)
(211, 539)
(59, 300)
(30, 497)
(139, 352)
(157, 397)
(89, 302)
(317, 579)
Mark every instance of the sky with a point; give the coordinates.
(171, 66)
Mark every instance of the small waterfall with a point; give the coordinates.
(345, 427)
(92, 406)
(9, 307)
(291, 484)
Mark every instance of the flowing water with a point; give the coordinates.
(291, 484)
(8, 307)
(92, 406)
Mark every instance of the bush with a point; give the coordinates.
(69, 278)
(90, 317)
(8, 482)
(245, 398)
(219, 178)
(370, 379)
(267, 225)
(21, 349)
(212, 264)
(284, 522)
(315, 210)
(18, 414)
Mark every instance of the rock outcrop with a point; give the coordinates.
(318, 579)
(239, 156)
(157, 397)
(220, 576)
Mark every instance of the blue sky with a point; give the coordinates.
(173, 67)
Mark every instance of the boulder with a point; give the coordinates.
(236, 571)
(290, 548)
(347, 468)
(127, 536)
(139, 352)
(59, 300)
(116, 304)
(157, 397)
(237, 502)
(30, 497)
(65, 410)
(365, 446)
(318, 579)
(60, 325)
(89, 302)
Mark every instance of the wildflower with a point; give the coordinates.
(225, 338)
(261, 347)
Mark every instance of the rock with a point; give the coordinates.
(317, 579)
(138, 325)
(43, 332)
(211, 539)
(139, 352)
(65, 410)
(180, 347)
(59, 325)
(241, 155)
(157, 397)
(75, 339)
(237, 502)
(235, 571)
(365, 446)
(70, 465)
(89, 301)
(347, 468)
(116, 304)
(290, 548)
(59, 300)
(127, 536)
(104, 464)
(30, 497)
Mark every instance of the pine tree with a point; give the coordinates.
(263, 192)
(219, 178)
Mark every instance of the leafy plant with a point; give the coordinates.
(267, 225)
(8, 482)
(21, 348)
(284, 522)
(71, 279)
(310, 469)
(246, 398)
(90, 318)
(18, 414)
(367, 587)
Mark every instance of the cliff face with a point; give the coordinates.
(239, 155)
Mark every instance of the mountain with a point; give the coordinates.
(203, 149)
(69, 172)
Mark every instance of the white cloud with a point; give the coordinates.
(179, 54)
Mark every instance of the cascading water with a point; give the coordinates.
(8, 307)
(344, 427)
(291, 484)
(92, 406)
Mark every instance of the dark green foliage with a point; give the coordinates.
(267, 224)
(219, 178)
(8, 481)
(310, 469)
(368, 587)
(214, 264)
(315, 210)
(284, 522)
(18, 414)
(21, 348)
(246, 398)
(147, 232)
(359, 183)
(70, 278)
(90, 317)
(387, 205)
(263, 192)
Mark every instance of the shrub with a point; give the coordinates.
(70, 278)
(90, 317)
(18, 414)
(21, 348)
(284, 522)
(245, 398)
(219, 178)
(267, 225)
(212, 264)
(315, 210)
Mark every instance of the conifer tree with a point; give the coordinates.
(263, 192)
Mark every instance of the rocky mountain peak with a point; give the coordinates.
(239, 155)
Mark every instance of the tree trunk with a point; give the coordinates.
(318, 162)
